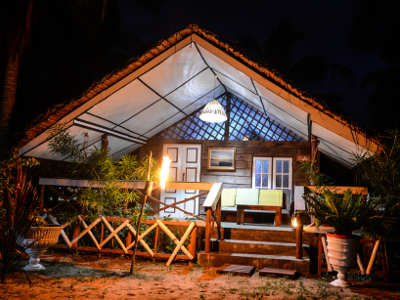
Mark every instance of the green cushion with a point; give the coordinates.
(228, 197)
(271, 197)
(247, 196)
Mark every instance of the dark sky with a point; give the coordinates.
(326, 25)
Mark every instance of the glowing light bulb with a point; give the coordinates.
(294, 222)
(164, 170)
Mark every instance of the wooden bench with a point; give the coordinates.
(241, 208)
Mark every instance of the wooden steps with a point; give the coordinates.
(259, 248)
(278, 272)
(272, 248)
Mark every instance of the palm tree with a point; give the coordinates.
(376, 30)
(32, 33)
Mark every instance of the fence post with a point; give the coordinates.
(207, 248)
(299, 238)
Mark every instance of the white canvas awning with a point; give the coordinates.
(179, 81)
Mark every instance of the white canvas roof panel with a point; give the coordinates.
(151, 117)
(178, 82)
(201, 102)
(174, 71)
(192, 90)
(165, 124)
(126, 102)
(221, 66)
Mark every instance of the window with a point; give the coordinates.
(262, 172)
(272, 173)
(282, 173)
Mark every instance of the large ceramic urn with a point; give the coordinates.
(342, 253)
(36, 242)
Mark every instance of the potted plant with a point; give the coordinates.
(37, 240)
(346, 213)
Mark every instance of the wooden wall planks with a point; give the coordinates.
(245, 151)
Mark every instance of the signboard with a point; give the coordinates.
(302, 157)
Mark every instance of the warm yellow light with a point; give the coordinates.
(164, 171)
(294, 223)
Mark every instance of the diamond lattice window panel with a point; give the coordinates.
(246, 123)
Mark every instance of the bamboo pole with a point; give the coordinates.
(175, 204)
(173, 238)
(172, 206)
(180, 244)
(373, 255)
(328, 262)
(149, 186)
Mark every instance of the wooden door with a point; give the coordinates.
(185, 167)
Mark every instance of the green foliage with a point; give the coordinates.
(19, 207)
(8, 172)
(345, 212)
(381, 173)
(100, 167)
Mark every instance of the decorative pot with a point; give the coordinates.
(36, 242)
(342, 253)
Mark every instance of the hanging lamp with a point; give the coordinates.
(213, 112)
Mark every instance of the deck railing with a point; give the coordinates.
(212, 206)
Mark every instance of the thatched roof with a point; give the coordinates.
(57, 112)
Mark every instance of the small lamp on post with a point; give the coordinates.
(298, 226)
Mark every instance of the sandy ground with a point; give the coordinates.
(90, 277)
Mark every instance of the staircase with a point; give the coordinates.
(270, 247)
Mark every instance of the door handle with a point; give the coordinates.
(183, 177)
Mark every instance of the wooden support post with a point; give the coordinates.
(299, 238)
(314, 147)
(193, 242)
(41, 197)
(207, 248)
(228, 120)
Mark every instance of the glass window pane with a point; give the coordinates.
(278, 180)
(286, 166)
(265, 166)
(258, 166)
(286, 181)
(265, 180)
(279, 166)
(258, 180)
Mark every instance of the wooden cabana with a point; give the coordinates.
(154, 103)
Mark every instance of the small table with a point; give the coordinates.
(241, 208)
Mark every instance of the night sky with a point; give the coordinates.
(326, 25)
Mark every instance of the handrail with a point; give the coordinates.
(213, 196)
(212, 204)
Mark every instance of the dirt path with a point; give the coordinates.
(90, 277)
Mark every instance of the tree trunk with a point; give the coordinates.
(8, 98)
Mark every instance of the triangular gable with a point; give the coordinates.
(245, 123)
(175, 79)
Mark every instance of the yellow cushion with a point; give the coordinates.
(271, 197)
(247, 196)
(228, 197)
